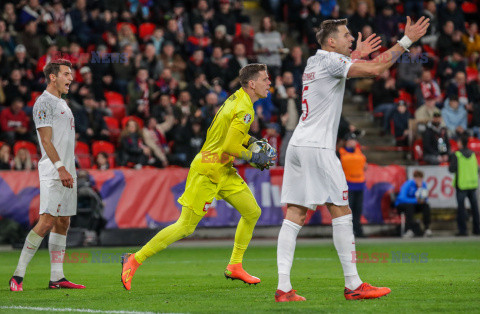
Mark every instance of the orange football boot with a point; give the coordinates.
(129, 267)
(290, 296)
(366, 291)
(235, 271)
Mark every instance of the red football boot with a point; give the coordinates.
(129, 267)
(16, 283)
(366, 291)
(236, 271)
(64, 284)
(290, 296)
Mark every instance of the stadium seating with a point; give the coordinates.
(145, 30)
(33, 98)
(32, 148)
(106, 147)
(82, 151)
(114, 128)
(114, 98)
(471, 74)
(132, 26)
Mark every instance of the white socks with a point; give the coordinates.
(32, 242)
(344, 242)
(56, 246)
(287, 239)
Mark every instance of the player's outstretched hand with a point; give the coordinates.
(364, 48)
(417, 30)
(65, 177)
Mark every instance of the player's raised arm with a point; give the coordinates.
(45, 134)
(377, 66)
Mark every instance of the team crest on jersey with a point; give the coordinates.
(247, 118)
(42, 114)
(345, 195)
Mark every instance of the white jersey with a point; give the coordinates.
(54, 112)
(322, 98)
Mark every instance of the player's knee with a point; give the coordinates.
(254, 214)
(188, 230)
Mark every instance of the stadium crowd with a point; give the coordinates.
(150, 75)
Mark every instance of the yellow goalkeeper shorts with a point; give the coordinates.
(200, 190)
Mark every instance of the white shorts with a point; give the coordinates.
(57, 200)
(313, 176)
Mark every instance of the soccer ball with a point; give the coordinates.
(421, 194)
(264, 147)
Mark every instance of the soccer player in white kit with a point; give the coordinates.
(313, 174)
(58, 187)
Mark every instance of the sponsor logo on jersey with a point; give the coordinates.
(247, 118)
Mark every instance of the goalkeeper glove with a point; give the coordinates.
(262, 160)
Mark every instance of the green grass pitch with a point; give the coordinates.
(190, 279)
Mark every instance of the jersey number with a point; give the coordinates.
(304, 102)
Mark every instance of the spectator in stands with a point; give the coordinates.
(220, 39)
(89, 122)
(181, 134)
(217, 65)
(445, 40)
(246, 39)
(133, 152)
(31, 40)
(196, 64)
(203, 15)
(173, 61)
(427, 88)
(79, 17)
(225, 16)
(209, 109)
(124, 71)
(455, 116)
(458, 87)
(464, 164)
(53, 37)
(154, 136)
(388, 22)
(290, 112)
(354, 164)
(89, 86)
(101, 161)
(217, 88)
(436, 145)
(432, 32)
(16, 88)
(409, 72)
(450, 66)
(295, 64)
(14, 123)
(452, 13)
(21, 62)
(5, 157)
(58, 15)
(151, 62)
(312, 22)
(471, 39)
(400, 118)
(474, 104)
(384, 93)
(140, 94)
(198, 89)
(361, 17)
(23, 160)
(238, 61)
(425, 112)
(185, 104)
(197, 139)
(413, 198)
(157, 39)
(127, 37)
(166, 83)
(181, 18)
(268, 45)
(198, 40)
(272, 135)
(6, 39)
(174, 35)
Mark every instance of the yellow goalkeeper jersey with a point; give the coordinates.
(236, 112)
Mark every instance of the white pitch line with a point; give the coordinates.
(53, 309)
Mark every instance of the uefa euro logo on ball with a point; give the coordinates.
(421, 194)
(262, 146)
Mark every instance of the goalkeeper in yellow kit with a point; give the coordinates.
(212, 175)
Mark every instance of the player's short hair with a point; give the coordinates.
(464, 139)
(250, 72)
(53, 67)
(328, 28)
(418, 174)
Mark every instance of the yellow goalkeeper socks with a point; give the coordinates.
(185, 225)
(246, 205)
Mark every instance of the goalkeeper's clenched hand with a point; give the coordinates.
(262, 160)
